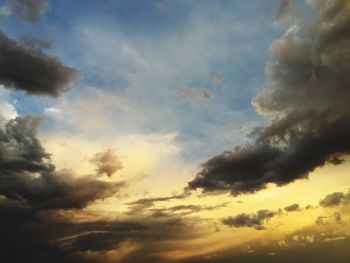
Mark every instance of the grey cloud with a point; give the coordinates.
(31, 70)
(308, 100)
(28, 176)
(250, 220)
(152, 200)
(316, 243)
(107, 162)
(96, 241)
(141, 205)
(31, 189)
(257, 220)
(292, 208)
(56, 190)
(26, 236)
(179, 210)
(20, 149)
(196, 208)
(107, 235)
(335, 199)
(37, 203)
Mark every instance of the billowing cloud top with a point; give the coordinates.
(308, 100)
(28, 176)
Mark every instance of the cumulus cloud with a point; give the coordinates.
(31, 189)
(31, 70)
(308, 101)
(250, 220)
(107, 162)
(36, 201)
(59, 190)
(38, 206)
(21, 151)
(7, 107)
(257, 220)
(28, 176)
(335, 199)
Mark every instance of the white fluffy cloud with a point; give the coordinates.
(7, 107)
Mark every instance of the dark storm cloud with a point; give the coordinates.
(292, 208)
(335, 199)
(56, 190)
(28, 10)
(250, 220)
(36, 224)
(27, 174)
(308, 100)
(31, 70)
(27, 236)
(20, 150)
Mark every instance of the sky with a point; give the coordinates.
(175, 131)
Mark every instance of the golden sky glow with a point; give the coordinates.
(180, 131)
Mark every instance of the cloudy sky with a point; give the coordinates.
(175, 131)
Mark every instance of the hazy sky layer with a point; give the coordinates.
(174, 131)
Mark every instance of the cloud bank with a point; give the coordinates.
(28, 176)
(308, 100)
(250, 220)
(335, 199)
